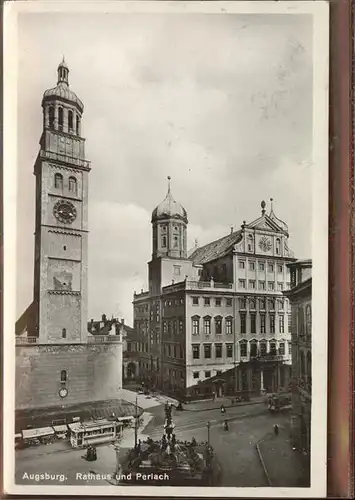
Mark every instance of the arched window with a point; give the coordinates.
(51, 117)
(218, 325)
(207, 325)
(301, 326)
(263, 348)
(60, 118)
(58, 181)
(253, 348)
(64, 333)
(273, 351)
(77, 125)
(278, 246)
(243, 346)
(70, 121)
(302, 365)
(308, 320)
(72, 185)
(163, 242)
(250, 243)
(63, 376)
(176, 242)
(309, 366)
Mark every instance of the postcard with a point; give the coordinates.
(166, 225)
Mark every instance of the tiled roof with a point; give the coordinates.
(26, 319)
(106, 328)
(216, 249)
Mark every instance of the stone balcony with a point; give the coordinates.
(197, 285)
(27, 340)
(94, 339)
(77, 162)
(268, 358)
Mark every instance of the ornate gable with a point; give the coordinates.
(264, 223)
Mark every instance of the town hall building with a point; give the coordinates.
(220, 310)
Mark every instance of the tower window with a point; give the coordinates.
(163, 242)
(77, 125)
(63, 376)
(58, 181)
(60, 118)
(278, 246)
(70, 121)
(64, 333)
(51, 117)
(72, 185)
(250, 243)
(176, 242)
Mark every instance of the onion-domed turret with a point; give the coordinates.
(62, 90)
(169, 220)
(169, 209)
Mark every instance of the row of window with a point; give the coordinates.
(228, 323)
(173, 351)
(207, 322)
(71, 117)
(256, 349)
(251, 245)
(196, 375)
(262, 285)
(304, 321)
(261, 266)
(58, 183)
(174, 302)
(207, 301)
(243, 301)
(207, 351)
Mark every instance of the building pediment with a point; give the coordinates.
(264, 223)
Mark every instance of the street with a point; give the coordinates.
(235, 449)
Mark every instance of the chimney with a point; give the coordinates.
(122, 321)
(231, 229)
(103, 317)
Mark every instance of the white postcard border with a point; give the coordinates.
(320, 12)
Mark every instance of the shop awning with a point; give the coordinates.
(60, 428)
(36, 433)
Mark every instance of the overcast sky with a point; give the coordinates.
(221, 102)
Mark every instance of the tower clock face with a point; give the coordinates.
(64, 211)
(265, 244)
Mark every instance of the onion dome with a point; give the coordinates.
(169, 209)
(282, 225)
(62, 90)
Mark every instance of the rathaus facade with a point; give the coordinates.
(218, 310)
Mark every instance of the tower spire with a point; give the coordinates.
(272, 205)
(169, 179)
(63, 72)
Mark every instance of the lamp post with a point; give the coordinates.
(208, 433)
(136, 424)
(118, 465)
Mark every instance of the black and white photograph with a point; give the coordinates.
(166, 209)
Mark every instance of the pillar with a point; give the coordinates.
(262, 388)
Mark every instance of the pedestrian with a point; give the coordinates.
(225, 425)
(276, 430)
(223, 410)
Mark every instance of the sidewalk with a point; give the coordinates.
(209, 404)
(283, 466)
